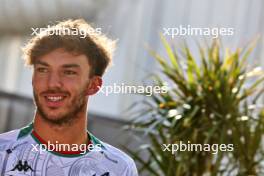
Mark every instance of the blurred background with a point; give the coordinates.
(134, 23)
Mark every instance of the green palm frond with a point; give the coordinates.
(212, 97)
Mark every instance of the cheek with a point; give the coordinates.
(75, 89)
(73, 84)
(38, 84)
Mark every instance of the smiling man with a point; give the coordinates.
(67, 69)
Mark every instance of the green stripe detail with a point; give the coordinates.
(95, 140)
(25, 131)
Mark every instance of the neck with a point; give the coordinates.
(74, 133)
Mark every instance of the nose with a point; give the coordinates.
(54, 81)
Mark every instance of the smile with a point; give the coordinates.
(55, 99)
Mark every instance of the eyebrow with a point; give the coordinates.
(64, 66)
(71, 66)
(41, 63)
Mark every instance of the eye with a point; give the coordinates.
(42, 70)
(69, 72)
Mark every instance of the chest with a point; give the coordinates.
(24, 160)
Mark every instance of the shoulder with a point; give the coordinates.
(126, 161)
(14, 135)
(118, 153)
(9, 136)
(8, 139)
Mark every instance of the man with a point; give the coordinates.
(68, 61)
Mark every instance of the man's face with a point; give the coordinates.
(60, 85)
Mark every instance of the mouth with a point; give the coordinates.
(55, 101)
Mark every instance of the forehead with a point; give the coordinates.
(60, 57)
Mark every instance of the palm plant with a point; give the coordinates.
(212, 100)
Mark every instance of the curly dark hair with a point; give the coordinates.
(76, 37)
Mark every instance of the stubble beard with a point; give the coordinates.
(76, 106)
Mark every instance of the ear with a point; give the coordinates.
(94, 85)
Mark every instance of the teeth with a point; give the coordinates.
(54, 98)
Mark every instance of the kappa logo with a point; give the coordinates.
(22, 167)
(105, 174)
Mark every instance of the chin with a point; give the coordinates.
(57, 120)
(55, 116)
